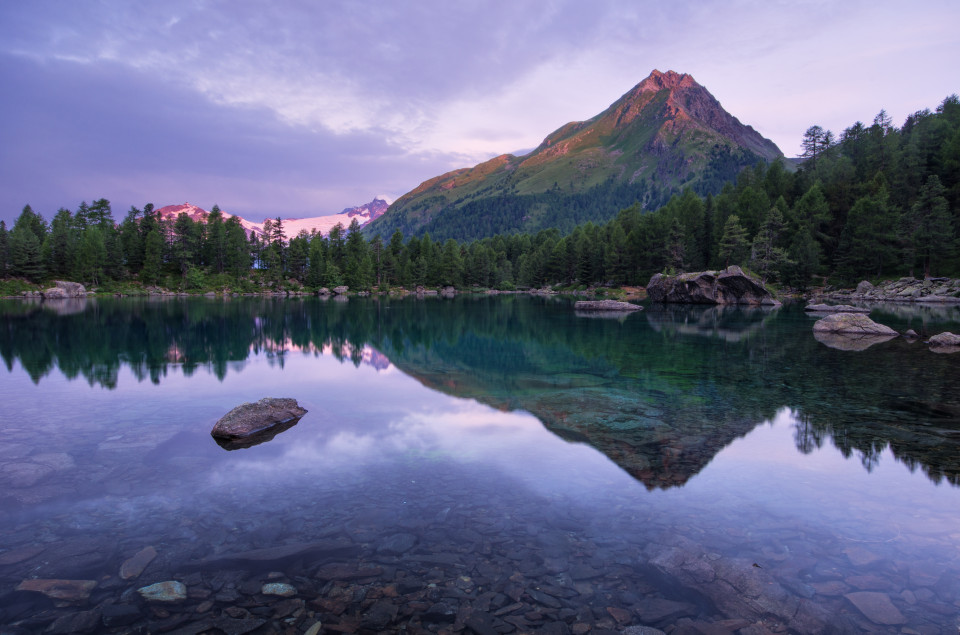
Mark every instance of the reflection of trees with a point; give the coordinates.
(648, 390)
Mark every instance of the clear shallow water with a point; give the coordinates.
(480, 463)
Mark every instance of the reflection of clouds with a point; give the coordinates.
(448, 430)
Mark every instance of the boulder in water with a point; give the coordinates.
(252, 423)
(945, 339)
(851, 323)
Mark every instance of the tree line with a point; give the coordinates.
(878, 201)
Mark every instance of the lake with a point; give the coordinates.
(479, 465)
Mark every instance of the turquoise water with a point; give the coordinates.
(477, 463)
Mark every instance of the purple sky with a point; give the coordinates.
(304, 108)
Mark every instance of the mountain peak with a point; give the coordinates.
(665, 133)
(670, 80)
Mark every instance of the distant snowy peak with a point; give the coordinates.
(291, 226)
(372, 210)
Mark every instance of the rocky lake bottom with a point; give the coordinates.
(465, 494)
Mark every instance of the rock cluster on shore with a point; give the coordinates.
(903, 290)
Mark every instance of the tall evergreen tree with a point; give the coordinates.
(153, 258)
(4, 249)
(929, 225)
(26, 238)
(93, 256)
(733, 244)
(60, 246)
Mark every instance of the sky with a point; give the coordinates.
(302, 108)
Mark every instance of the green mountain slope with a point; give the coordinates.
(668, 132)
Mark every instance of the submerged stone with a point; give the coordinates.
(66, 590)
(876, 607)
(169, 591)
(133, 567)
(278, 588)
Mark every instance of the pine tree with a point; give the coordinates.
(237, 253)
(152, 258)
(132, 240)
(4, 249)
(451, 266)
(93, 255)
(61, 244)
(767, 258)
(929, 226)
(733, 244)
(804, 259)
(25, 254)
(868, 241)
(675, 250)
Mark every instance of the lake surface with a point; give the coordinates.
(484, 465)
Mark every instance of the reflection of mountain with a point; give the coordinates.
(649, 391)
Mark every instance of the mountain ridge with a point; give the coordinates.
(665, 133)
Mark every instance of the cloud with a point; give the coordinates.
(84, 131)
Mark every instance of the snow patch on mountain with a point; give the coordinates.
(291, 226)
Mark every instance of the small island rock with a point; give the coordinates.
(945, 339)
(852, 324)
(730, 286)
(250, 418)
(606, 305)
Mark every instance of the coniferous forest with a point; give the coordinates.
(876, 201)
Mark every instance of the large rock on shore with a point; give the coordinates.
(730, 286)
(65, 289)
(252, 423)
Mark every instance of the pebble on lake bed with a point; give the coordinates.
(169, 591)
(278, 588)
